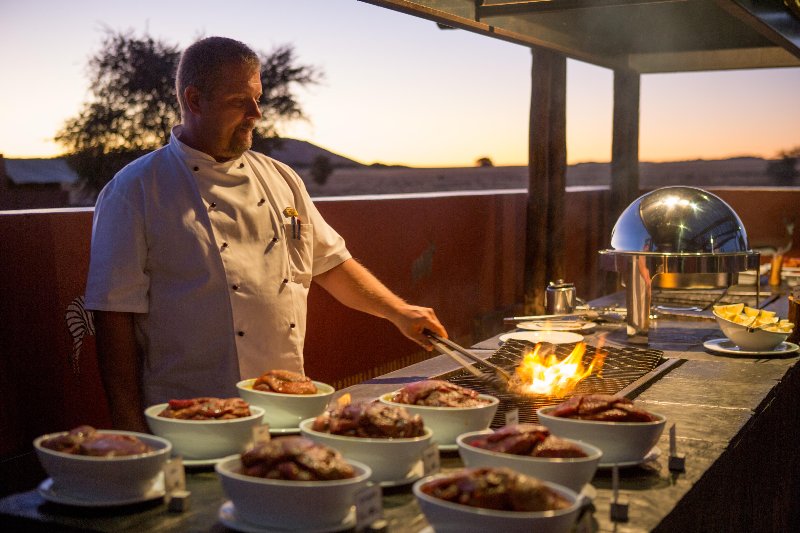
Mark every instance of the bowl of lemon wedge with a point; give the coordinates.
(751, 329)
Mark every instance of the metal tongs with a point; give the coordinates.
(498, 378)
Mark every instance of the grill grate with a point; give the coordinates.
(622, 367)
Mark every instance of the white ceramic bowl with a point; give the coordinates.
(204, 439)
(290, 505)
(447, 517)
(114, 478)
(391, 460)
(447, 423)
(283, 411)
(621, 442)
(759, 340)
(573, 472)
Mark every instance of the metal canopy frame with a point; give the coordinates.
(646, 36)
(631, 37)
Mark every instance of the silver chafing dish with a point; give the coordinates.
(675, 237)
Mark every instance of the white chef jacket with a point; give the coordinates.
(203, 255)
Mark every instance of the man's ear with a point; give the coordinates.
(191, 95)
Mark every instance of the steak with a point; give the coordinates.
(528, 439)
(500, 489)
(206, 409)
(603, 408)
(371, 420)
(296, 459)
(438, 393)
(85, 440)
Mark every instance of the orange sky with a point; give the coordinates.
(397, 89)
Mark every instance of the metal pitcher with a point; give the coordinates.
(559, 298)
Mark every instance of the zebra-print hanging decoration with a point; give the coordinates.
(80, 322)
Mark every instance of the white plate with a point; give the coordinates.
(557, 325)
(417, 472)
(284, 431)
(448, 447)
(203, 462)
(49, 493)
(556, 337)
(727, 346)
(654, 453)
(227, 516)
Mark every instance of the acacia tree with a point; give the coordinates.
(133, 105)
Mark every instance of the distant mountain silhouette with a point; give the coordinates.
(296, 153)
(351, 177)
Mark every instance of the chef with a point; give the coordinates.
(203, 252)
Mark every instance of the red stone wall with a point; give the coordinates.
(460, 254)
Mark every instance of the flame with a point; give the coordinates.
(343, 400)
(546, 374)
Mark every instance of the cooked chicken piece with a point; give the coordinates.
(284, 381)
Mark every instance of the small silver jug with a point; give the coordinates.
(559, 298)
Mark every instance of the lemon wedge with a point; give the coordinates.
(728, 310)
(762, 321)
(751, 312)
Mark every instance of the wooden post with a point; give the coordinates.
(625, 143)
(547, 164)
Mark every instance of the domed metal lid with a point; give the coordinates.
(679, 220)
(680, 230)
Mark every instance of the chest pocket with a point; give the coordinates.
(301, 253)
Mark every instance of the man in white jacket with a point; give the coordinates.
(203, 253)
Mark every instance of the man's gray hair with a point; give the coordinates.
(202, 62)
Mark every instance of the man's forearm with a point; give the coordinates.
(356, 287)
(118, 360)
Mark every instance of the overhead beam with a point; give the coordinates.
(549, 6)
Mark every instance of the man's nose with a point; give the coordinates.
(254, 111)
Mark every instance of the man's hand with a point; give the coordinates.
(413, 320)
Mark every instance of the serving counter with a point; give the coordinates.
(736, 421)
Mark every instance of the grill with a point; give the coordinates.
(705, 299)
(622, 367)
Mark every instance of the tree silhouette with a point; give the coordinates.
(133, 105)
(321, 169)
(783, 169)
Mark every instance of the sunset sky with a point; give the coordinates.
(397, 89)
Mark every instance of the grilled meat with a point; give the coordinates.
(438, 393)
(602, 407)
(206, 409)
(372, 420)
(285, 382)
(528, 439)
(297, 459)
(496, 488)
(85, 440)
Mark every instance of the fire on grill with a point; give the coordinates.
(545, 373)
(621, 366)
